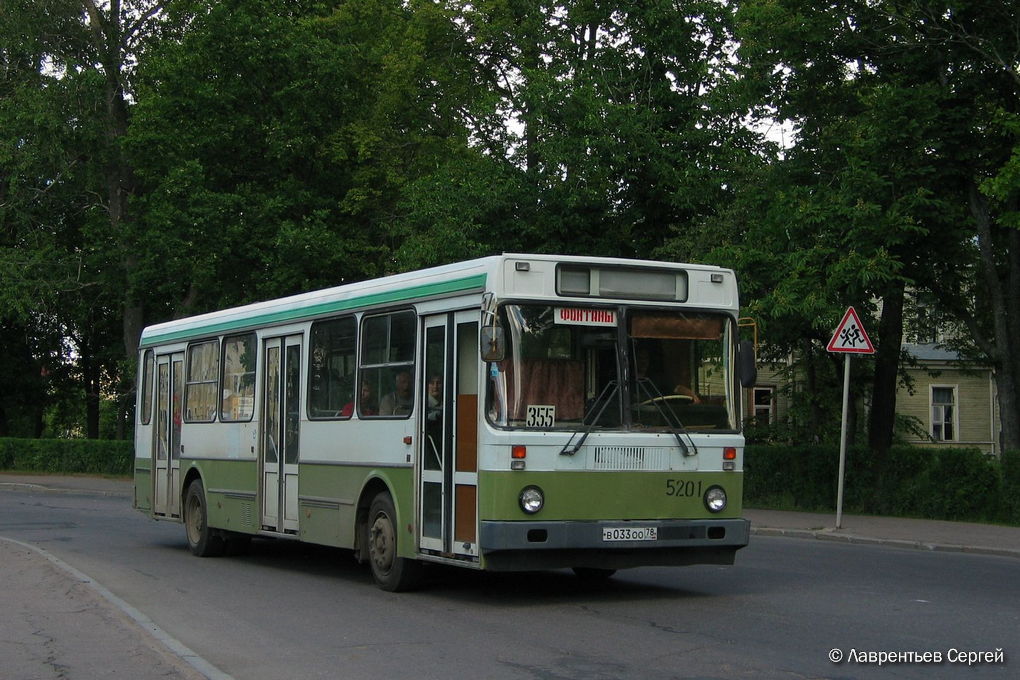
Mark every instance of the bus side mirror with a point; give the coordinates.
(492, 343)
(746, 367)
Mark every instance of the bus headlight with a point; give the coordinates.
(715, 499)
(531, 499)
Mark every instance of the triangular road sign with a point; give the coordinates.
(850, 336)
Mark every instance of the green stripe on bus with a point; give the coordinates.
(312, 310)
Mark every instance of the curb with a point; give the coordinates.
(829, 535)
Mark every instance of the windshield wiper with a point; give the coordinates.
(656, 398)
(602, 401)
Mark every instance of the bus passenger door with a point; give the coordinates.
(281, 399)
(166, 445)
(447, 462)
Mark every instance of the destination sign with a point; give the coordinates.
(585, 316)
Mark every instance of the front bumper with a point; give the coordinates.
(512, 546)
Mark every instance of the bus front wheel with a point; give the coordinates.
(390, 571)
(202, 540)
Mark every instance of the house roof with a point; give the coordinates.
(930, 351)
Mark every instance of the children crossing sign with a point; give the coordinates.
(850, 336)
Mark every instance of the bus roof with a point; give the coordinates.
(471, 276)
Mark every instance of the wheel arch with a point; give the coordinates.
(376, 483)
(190, 476)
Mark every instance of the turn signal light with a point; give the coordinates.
(518, 452)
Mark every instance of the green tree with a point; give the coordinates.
(608, 126)
(274, 140)
(872, 198)
(977, 47)
(58, 259)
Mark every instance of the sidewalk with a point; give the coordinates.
(59, 623)
(921, 534)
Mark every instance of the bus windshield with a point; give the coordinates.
(613, 368)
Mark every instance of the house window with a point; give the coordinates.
(943, 413)
(765, 404)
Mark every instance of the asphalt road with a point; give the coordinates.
(288, 610)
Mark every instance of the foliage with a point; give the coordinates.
(801, 477)
(932, 483)
(860, 208)
(620, 130)
(899, 179)
(162, 158)
(60, 258)
(67, 456)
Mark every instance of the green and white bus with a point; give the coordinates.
(514, 412)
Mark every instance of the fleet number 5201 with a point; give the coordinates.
(682, 488)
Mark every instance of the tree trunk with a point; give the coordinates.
(1005, 307)
(90, 386)
(1009, 389)
(109, 40)
(887, 362)
(815, 414)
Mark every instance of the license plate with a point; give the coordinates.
(630, 534)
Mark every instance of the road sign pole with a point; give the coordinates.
(842, 442)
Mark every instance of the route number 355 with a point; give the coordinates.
(541, 416)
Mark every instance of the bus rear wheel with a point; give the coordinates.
(202, 540)
(390, 571)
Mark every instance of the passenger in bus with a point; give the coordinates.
(434, 422)
(399, 401)
(367, 403)
(434, 399)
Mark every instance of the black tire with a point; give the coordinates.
(593, 574)
(202, 541)
(390, 571)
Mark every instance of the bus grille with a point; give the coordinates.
(629, 458)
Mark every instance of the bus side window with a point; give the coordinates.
(387, 364)
(145, 413)
(237, 383)
(331, 368)
(200, 402)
